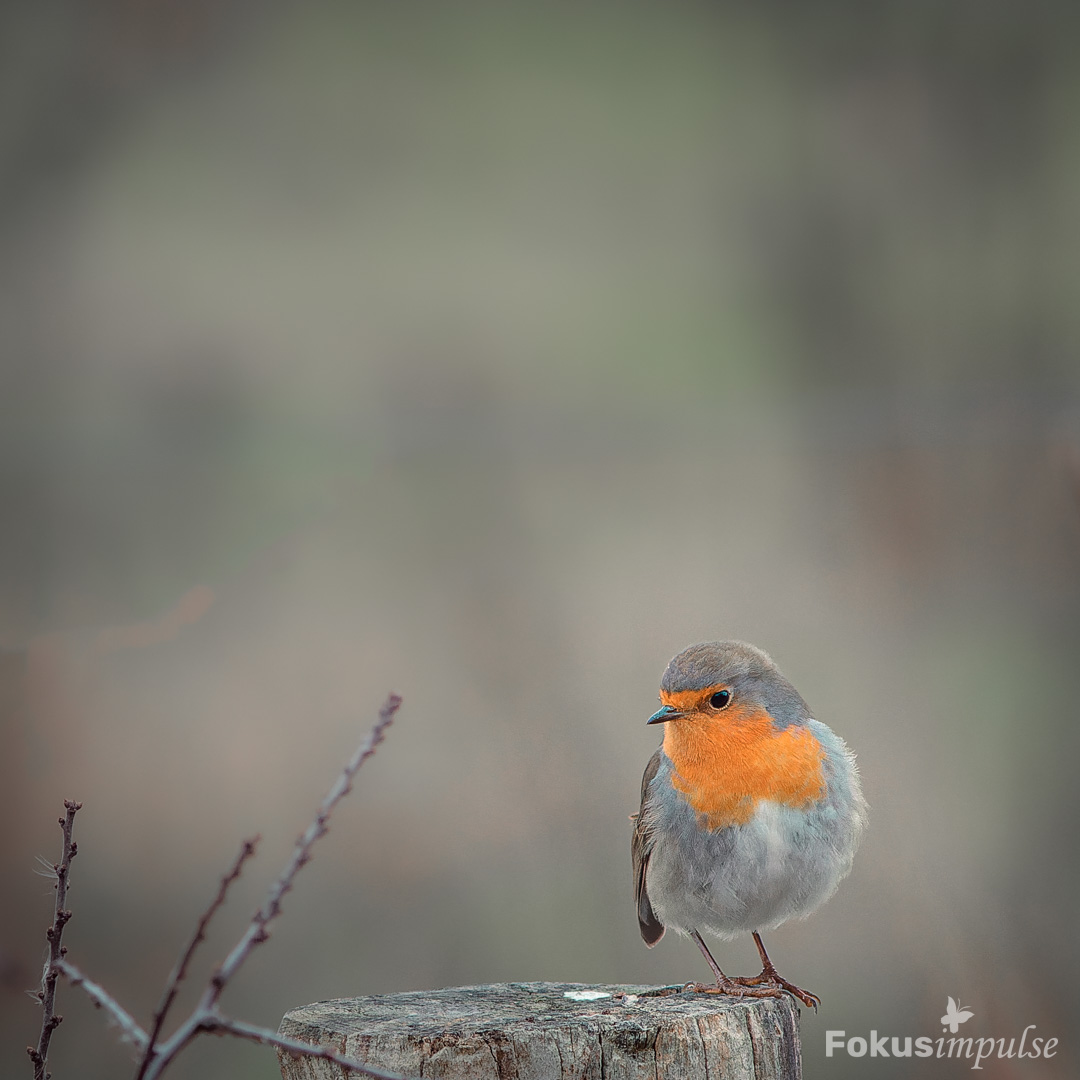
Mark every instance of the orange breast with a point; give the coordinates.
(725, 763)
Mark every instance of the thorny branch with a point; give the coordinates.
(176, 976)
(128, 1025)
(50, 1021)
(206, 1017)
(257, 932)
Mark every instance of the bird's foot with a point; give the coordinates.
(734, 987)
(771, 977)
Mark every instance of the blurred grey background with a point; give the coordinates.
(493, 353)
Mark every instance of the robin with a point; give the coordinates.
(751, 810)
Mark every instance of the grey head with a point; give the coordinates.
(748, 671)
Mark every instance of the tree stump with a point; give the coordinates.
(553, 1031)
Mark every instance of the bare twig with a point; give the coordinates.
(205, 1016)
(257, 932)
(176, 976)
(104, 1000)
(47, 995)
(226, 1025)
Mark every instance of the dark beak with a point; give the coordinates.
(662, 716)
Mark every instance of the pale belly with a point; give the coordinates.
(782, 864)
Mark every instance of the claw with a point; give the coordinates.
(771, 977)
(768, 984)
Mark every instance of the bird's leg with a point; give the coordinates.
(724, 985)
(771, 977)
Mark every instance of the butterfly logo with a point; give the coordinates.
(955, 1015)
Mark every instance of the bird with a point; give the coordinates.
(751, 810)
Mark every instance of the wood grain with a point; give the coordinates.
(545, 1031)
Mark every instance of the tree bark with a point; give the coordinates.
(553, 1031)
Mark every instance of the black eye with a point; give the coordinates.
(720, 699)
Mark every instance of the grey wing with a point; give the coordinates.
(641, 843)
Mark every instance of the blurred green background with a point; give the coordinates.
(493, 353)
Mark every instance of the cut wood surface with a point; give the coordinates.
(553, 1031)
